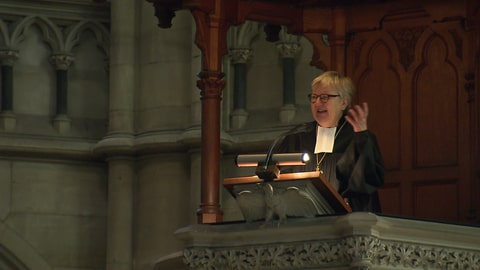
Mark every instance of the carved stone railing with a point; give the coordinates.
(353, 241)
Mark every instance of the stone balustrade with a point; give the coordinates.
(353, 241)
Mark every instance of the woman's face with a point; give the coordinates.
(330, 110)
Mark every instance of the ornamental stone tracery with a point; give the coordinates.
(359, 252)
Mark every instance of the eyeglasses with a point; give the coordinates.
(323, 97)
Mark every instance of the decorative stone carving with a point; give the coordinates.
(288, 50)
(8, 57)
(240, 56)
(359, 252)
(62, 61)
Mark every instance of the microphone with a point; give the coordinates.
(269, 171)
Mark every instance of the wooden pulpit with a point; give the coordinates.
(303, 194)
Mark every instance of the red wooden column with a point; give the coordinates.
(211, 85)
(211, 39)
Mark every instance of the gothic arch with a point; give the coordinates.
(51, 33)
(74, 33)
(374, 57)
(436, 62)
(242, 36)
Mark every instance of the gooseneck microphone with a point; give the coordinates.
(269, 169)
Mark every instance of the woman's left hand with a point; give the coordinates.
(357, 117)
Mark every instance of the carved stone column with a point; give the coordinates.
(287, 51)
(62, 62)
(7, 117)
(119, 142)
(239, 57)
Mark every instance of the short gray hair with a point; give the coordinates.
(343, 84)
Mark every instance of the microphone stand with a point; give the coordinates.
(268, 170)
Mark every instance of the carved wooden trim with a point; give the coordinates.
(165, 14)
(470, 86)
(406, 39)
(211, 84)
(457, 39)
(357, 46)
(405, 14)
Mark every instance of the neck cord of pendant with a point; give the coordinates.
(317, 168)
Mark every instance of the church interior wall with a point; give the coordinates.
(165, 74)
(162, 205)
(53, 187)
(58, 206)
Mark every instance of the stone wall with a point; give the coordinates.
(100, 130)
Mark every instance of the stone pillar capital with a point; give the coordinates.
(8, 57)
(240, 55)
(288, 49)
(62, 61)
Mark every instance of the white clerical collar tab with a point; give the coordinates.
(325, 139)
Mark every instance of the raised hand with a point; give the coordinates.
(357, 117)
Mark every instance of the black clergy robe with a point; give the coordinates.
(355, 167)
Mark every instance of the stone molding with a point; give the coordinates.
(58, 10)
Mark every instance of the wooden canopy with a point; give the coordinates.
(398, 25)
(312, 18)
